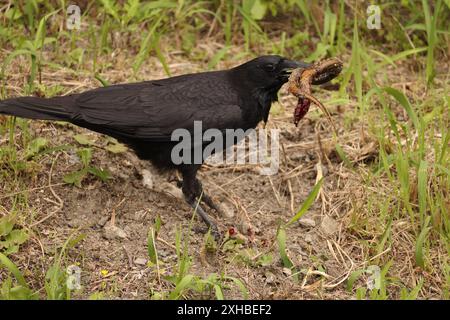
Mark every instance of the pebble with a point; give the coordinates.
(140, 261)
(307, 222)
(309, 238)
(329, 226)
(112, 232)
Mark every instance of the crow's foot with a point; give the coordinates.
(208, 221)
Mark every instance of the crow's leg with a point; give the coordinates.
(193, 193)
(207, 199)
(208, 221)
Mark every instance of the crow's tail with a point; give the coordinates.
(58, 108)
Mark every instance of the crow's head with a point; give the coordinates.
(263, 78)
(268, 72)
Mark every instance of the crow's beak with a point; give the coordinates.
(290, 65)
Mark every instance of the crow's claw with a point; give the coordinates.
(208, 221)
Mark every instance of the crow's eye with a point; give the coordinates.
(269, 67)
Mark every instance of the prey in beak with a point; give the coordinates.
(302, 78)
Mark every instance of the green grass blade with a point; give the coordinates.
(281, 240)
(422, 189)
(404, 102)
(11, 267)
(182, 285)
(418, 253)
(307, 203)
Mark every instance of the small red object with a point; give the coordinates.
(232, 231)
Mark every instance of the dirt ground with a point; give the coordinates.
(322, 245)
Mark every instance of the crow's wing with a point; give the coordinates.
(152, 110)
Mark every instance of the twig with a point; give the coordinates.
(113, 213)
(166, 243)
(345, 275)
(291, 194)
(277, 197)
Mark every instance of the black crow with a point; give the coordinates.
(143, 115)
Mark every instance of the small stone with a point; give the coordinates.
(307, 222)
(112, 232)
(140, 261)
(329, 226)
(309, 238)
(147, 179)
